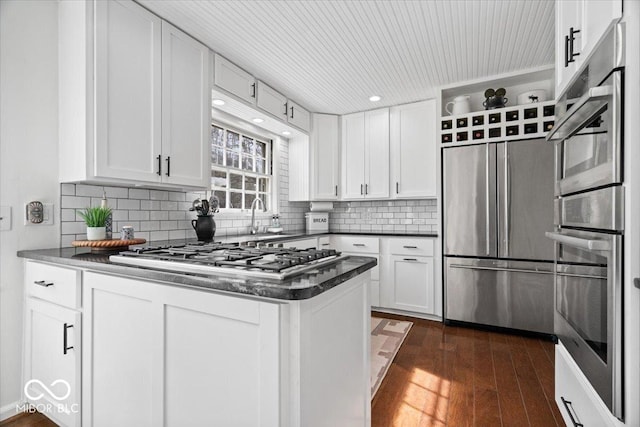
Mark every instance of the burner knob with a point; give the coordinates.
(251, 244)
(280, 245)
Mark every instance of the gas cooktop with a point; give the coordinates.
(267, 261)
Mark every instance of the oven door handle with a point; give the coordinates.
(579, 242)
(590, 103)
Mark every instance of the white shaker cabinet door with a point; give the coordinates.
(234, 80)
(298, 116)
(377, 154)
(128, 91)
(52, 360)
(325, 141)
(413, 150)
(186, 109)
(271, 101)
(353, 156)
(408, 284)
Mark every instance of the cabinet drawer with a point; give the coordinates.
(418, 247)
(369, 245)
(52, 283)
(575, 394)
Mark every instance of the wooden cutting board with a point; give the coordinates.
(107, 245)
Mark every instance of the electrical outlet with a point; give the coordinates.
(5, 218)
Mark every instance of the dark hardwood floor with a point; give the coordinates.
(453, 376)
(456, 377)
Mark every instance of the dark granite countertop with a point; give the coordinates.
(300, 287)
(292, 235)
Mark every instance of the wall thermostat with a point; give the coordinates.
(35, 212)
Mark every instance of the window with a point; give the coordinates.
(240, 168)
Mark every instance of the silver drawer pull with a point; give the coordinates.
(359, 244)
(43, 283)
(410, 247)
(569, 407)
(65, 346)
(325, 244)
(409, 259)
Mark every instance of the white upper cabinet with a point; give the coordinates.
(271, 101)
(186, 108)
(365, 155)
(353, 156)
(413, 150)
(234, 80)
(298, 116)
(325, 142)
(376, 135)
(580, 24)
(128, 91)
(150, 98)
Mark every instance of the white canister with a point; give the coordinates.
(531, 96)
(127, 233)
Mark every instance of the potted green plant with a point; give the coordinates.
(96, 220)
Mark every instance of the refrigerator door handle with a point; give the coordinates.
(507, 200)
(507, 269)
(488, 207)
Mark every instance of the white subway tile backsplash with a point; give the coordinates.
(89, 190)
(158, 195)
(168, 206)
(138, 215)
(160, 215)
(115, 192)
(138, 193)
(68, 189)
(148, 205)
(129, 204)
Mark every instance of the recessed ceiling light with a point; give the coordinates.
(257, 120)
(286, 132)
(374, 98)
(218, 102)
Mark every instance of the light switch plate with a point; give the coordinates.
(5, 218)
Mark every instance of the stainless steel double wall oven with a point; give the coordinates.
(589, 220)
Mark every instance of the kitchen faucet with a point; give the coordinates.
(254, 228)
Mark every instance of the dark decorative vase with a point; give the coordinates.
(205, 227)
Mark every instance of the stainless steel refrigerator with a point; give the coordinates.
(497, 206)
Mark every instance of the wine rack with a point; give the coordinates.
(504, 124)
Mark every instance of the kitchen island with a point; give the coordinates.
(149, 347)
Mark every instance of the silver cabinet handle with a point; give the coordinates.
(325, 244)
(65, 347)
(359, 244)
(569, 407)
(579, 242)
(397, 188)
(409, 259)
(362, 189)
(43, 283)
(336, 190)
(410, 247)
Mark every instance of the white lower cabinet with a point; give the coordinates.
(408, 284)
(52, 360)
(158, 353)
(578, 402)
(52, 344)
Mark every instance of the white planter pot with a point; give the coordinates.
(96, 233)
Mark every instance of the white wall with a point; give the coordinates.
(28, 162)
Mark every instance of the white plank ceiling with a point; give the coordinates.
(332, 55)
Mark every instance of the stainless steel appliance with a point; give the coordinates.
(498, 203)
(269, 261)
(589, 220)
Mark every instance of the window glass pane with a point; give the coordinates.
(236, 200)
(219, 178)
(263, 185)
(247, 162)
(236, 181)
(233, 159)
(222, 195)
(217, 156)
(247, 145)
(217, 136)
(248, 199)
(261, 165)
(265, 198)
(261, 149)
(233, 140)
(250, 183)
